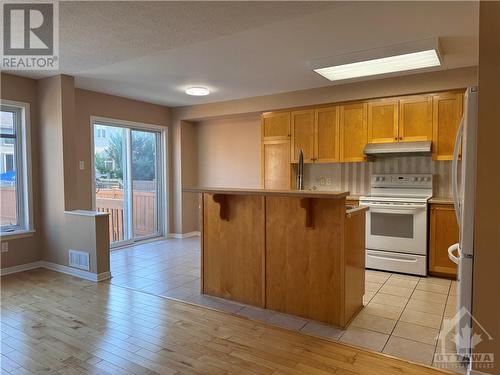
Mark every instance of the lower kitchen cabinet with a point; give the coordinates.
(444, 232)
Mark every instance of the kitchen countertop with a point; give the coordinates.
(356, 210)
(280, 193)
(441, 200)
(353, 197)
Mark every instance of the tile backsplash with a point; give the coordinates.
(355, 177)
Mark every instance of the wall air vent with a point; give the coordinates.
(79, 259)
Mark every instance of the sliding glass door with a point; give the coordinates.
(128, 181)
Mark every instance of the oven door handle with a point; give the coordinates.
(414, 206)
(407, 211)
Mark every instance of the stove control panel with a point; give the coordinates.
(421, 181)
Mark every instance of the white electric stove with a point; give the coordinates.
(396, 223)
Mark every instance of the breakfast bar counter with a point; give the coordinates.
(297, 252)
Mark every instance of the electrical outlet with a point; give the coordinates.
(82, 165)
(5, 247)
(322, 181)
(329, 181)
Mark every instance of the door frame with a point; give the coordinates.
(163, 188)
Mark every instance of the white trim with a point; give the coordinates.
(58, 268)
(127, 124)
(20, 268)
(76, 272)
(26, 157)
(163, 194)
(7, 236)
(181, 236)
(86, 213)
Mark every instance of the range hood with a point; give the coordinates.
(398, 148)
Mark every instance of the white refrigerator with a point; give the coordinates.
(464, 186)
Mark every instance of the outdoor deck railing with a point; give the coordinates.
(144, 219)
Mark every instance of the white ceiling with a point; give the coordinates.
(153, 50)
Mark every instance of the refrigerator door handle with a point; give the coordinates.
(454, 171)
(451, 249)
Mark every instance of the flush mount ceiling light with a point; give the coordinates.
(197, 91)
(392, 59)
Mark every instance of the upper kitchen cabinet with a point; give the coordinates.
(327, 135)
(447, 112)
(353, 131)
(383, 121)
(276, 125)
(302, 135)
(415, 118)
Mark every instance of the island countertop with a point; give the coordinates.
(267, 192)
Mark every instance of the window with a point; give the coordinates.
(15, 188)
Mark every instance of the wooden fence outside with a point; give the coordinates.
(144, 205)
(8, 205)
(107, 200)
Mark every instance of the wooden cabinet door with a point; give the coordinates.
(415, 118)
(276, 164)
(276, 125)
(353, 131)
(443, 233)
(233, 250)
(302, 135)
(327, 134)
(447, 113)
(383, 121)
(303, 265)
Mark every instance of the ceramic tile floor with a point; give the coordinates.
(402, 315)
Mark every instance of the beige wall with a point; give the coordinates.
(29, 249)
(229, 152)
(486, 292)
(189, 174)
(187, 213)
(52, 93)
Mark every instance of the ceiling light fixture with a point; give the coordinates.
(392, 59)
(197, 91)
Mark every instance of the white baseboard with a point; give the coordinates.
(58, 268)
(181, 236)
(76, 272)
(20, 268)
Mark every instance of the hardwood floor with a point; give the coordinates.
(56, 324)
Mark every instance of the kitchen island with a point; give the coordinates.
(297, 252)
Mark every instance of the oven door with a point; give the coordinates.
(397, 227)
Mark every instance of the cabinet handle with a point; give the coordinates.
(395, 138)
(400, 138)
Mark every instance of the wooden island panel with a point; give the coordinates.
(233, 247)
(354, 259)
(284, 250)
(303, 264)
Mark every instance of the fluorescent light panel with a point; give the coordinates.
(361, 64)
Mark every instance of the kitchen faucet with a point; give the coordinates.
(300, 171)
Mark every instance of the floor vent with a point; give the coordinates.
(79, 259)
